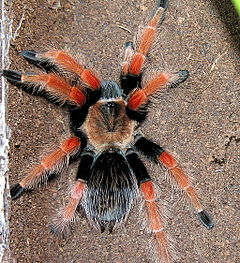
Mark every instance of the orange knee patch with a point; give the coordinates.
(90, 79)
(77, 190)
(148, 190)
(136, 64)
(137, 98)
(168, 160)
(70, 144)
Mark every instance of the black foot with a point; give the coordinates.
(12, 76)
(205, 219)
(16, 191)
(162, 3)
(42, 63)
(129, 44)
(182, 76)
(30, 56)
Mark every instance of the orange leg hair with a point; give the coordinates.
(163, 247)
(139, 97)
(65, 61)
(67, 216)
(146, 41)
(182, 179)
(184, 182)
(52, 163)
(55, 86)
(129, 51)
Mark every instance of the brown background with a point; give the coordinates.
(198, 121)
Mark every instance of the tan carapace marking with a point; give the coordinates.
(106, 130)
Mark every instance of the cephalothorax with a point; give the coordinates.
(105, 117)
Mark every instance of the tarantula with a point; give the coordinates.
(105, 117)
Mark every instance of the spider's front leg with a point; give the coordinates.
(54, 163)
(139, 98)
(156, 154)
(134, 61)
(59, 61)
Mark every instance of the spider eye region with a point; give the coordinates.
(111, 109)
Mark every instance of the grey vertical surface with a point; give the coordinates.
(4, 133)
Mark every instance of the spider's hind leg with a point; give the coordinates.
(52, 164)
(163, 247)
(157, 154)
(67, 216)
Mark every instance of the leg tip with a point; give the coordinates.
(183, 75)
(205, 219)
(162, 3)
(60, 231)
(16, 191)
(12, 76)
(129, 44)
(29, 54)
(179, 77)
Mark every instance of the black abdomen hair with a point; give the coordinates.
(111, 190)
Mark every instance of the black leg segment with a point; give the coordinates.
(148, 148)
(16, 191)
(138, 168)
(84, 167)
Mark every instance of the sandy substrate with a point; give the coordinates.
(198, 121)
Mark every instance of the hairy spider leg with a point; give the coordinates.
(129, 51)
(145, 43)
(67, 215)
(128, 81)
(162, 244)
(131, 73)
(184, 183)
(61, 59)
(53, 163)
(53, 86)
(156, 153)
(138, 98)
(155, 218)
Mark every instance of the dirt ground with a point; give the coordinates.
(198, 121)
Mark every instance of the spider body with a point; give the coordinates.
(104, 119)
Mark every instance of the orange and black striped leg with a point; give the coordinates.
(156, 153)
(128, 81)
(52, 164)
(57, 60)
(68, 214)
(139, 98)
(50, 85)
(146, 40)
(155, 219)
(163, 249)
(184, 183)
